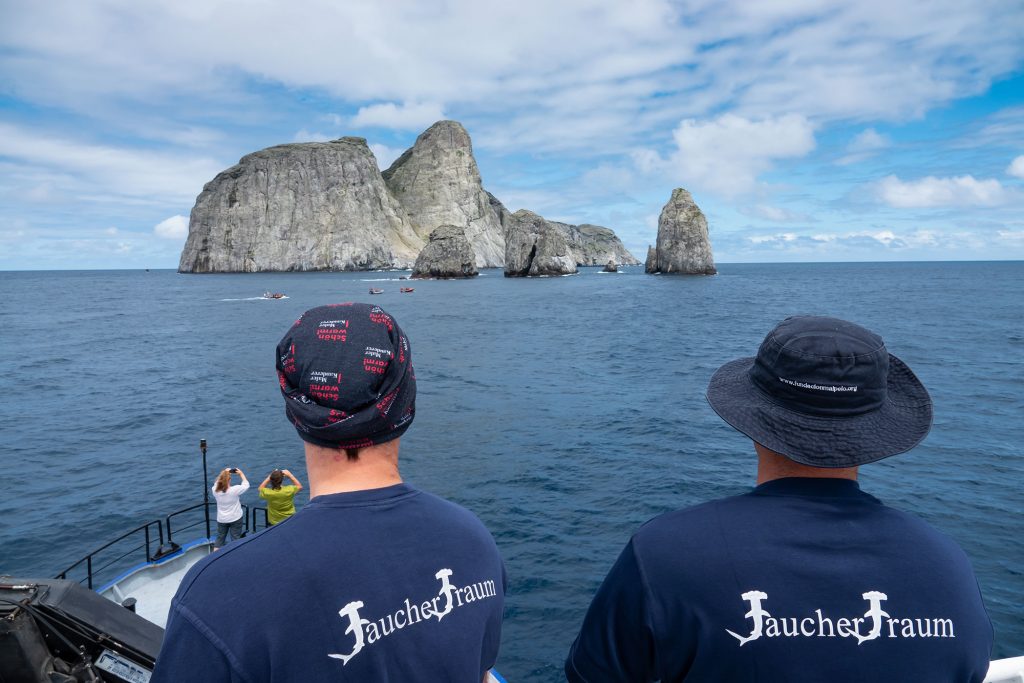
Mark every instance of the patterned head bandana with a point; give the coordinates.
(346, 376)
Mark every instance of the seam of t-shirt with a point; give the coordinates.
(648, 613)
(365, 504)
(224, 552)
(202, 629)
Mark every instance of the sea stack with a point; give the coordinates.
(448, 255)
(534, 247)
(683, 245)
(304, 206)
(438, 183)
(611, 267)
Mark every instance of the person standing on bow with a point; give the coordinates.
(230, 518)
(280, 499)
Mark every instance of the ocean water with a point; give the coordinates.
(565, 412)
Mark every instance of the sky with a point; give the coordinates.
(806, 130)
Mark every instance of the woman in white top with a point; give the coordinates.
(229, 511)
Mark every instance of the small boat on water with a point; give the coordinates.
(273, 295)
(407, 290)
(374, 290)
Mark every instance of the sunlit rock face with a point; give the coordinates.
(438, 183)
(327, 206)
(535, 247)
(308, 206)
(448, 255)
(683, 244)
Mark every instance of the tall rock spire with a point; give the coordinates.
(438, 183)
(683, 244)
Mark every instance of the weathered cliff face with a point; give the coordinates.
(683, 244)
(534, 247)
(596, 246)
(447, 255)
(438, 183)
(326, 206)
(310, 206)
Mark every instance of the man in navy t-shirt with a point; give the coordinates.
(805, 578)
(373, 580)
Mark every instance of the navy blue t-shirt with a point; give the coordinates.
(390, 584)
(798, 580)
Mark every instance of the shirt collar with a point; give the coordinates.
(355, 498)
(812, 487)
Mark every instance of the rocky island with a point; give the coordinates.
(447, 256)
(326, 206)
(683, 245)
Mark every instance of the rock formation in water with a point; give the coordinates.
(447, 255)
(326, 206)
(610, 267)
(595, 246)
(683, 245)
(535, 247)
(438, 183)
(308, 206)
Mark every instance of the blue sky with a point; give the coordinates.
(806, 130)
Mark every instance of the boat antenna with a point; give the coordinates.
(206, 488)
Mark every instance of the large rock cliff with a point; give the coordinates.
(326, 206)
(534, 247)
(309, 206)
(438, 183)
(448, 255)
(683, 244)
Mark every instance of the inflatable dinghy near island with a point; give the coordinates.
(81, 626)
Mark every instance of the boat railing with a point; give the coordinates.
(90, 559)
(159, 531)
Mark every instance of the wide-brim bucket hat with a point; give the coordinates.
(823, 392)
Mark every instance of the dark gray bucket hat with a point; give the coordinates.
(823, 392)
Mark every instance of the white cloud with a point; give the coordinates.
(868, 141)
(933, 192)
(562, 63)
(864, 146)
(121, 171)
(385, 155)
(304, 135)
(173, 228)
(402, 117)
(1016, 168)
(111, 231)
(775, 214)
(725, 155)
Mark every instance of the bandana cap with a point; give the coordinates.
(346, 376)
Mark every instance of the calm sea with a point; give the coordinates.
(565, 412)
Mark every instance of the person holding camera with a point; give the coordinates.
(230, 517)
(280, 499)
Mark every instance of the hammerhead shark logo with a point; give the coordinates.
(756, 613)
(446, 591)
(875, 613)
(355, 627)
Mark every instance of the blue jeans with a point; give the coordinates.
(234, 527)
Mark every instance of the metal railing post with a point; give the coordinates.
(206, 488)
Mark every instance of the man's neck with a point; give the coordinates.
(772, 465)
(330, 470)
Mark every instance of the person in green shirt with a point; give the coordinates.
(280, 499)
